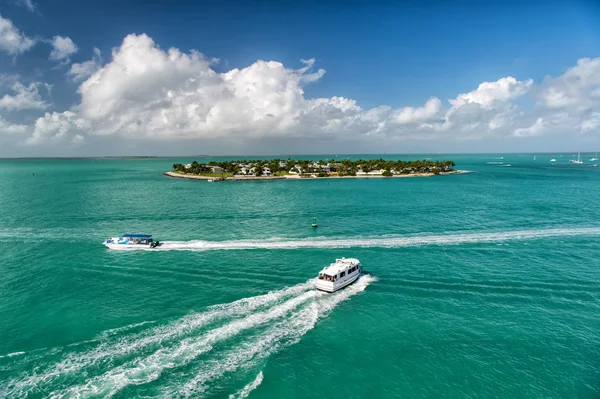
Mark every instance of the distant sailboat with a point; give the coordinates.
(578, 161)
(595, 158)
(534, 157)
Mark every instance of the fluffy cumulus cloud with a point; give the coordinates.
(24, 97)
(409, 115)
(490, 94)
(62, 48)
(57, 127)
(12, 40)
(82, 71)
(144, 91)
(578, 89)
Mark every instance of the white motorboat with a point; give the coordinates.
(339, 274)
(553, 160)
(131, 241)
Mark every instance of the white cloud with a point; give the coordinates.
(25, 97)
(408, 115)
(56, 127)
(10, 128)
(84, 70)
(164, 94)
(62, 48)
(577, 89)
(144, 91)
(535, 129)
(12, 40)
(489, 94)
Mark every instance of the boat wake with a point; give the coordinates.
(196, 355)
(248, 388)
(391, 241)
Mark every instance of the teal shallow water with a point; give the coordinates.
(479, 285)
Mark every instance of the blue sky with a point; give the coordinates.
(379, 53)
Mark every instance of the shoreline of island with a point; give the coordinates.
(296, 177)
(290, 169)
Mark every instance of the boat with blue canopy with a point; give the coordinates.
(131, 241)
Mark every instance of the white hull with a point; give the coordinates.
(330, 287)
(127, 246)
(578, 161)
(131, 241)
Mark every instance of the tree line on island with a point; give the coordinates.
(345, 167)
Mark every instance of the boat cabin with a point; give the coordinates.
(338, 275)
(132, 239)
(142, 239)
(340, 269)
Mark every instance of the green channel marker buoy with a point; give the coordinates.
(314, 223)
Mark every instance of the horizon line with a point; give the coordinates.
(284, 155)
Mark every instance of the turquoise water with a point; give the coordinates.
(484, 284)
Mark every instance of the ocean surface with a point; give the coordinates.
(479, 285)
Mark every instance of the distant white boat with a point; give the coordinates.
(534, 157)
(553, 160)
(578, 161)
(339, 274)
(595, 158)
(211, 180)
(131, 241)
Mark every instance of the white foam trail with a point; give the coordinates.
(243, 394)
(292, 318)
(110, 350)
(284, 333)
(372, 242)
(12, 354)
(148, 369)
(114, 331)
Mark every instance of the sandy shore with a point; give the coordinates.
(296, 177)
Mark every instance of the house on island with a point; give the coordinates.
(295, 170)
(217, 170)
(188, 165)
(243, 171)
(266, 172)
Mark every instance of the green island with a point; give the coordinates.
(276, 169)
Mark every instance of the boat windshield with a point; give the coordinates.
(142, 239)
(327, 277)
